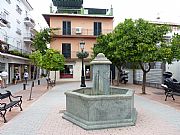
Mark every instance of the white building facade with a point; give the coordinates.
(16, 34)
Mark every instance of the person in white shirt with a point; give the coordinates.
(26, 75)
(4, 76)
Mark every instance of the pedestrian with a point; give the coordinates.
(87, 74)
(4, 76)
(17, 76)
(0, 80)
(26, 75)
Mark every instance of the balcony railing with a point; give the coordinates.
(72, 54)
(18, 31)
(79, 32)
(28, 38)
(3, 22)
(29, 22)
(18, 51)
(7, 48)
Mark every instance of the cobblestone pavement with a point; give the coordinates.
(44, 116)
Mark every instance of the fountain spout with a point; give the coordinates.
(101, 75)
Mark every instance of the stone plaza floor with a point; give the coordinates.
(43, 114)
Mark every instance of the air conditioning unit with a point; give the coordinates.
(78, 30)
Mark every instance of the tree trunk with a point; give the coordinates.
(134, 75)
(145, 71)
(144, 83)
(118, 77)
(48, 79)
(55, 77)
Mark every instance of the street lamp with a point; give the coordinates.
(82, 44)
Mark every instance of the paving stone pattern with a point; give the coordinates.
(44, 117)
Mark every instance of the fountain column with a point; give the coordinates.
(101, 75)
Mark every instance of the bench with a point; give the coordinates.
(50, 82)
(9, 101)
(173, 88)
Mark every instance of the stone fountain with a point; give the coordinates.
(100, 106)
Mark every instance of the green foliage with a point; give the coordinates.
(138, 42)
(36, 58)
(53, 60)
(41, 40)
(175, 47)
(82, 54)
(18, 53)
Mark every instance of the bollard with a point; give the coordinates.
(38, 82)
(24, 86)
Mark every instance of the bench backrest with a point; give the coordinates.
(5, 95)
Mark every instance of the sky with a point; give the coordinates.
(167, 10)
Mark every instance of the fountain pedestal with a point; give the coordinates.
(101, 106)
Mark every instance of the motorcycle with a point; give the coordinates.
(124, 77)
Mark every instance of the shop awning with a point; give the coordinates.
(13, 56)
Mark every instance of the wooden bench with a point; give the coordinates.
(9, 101)
(50, 82)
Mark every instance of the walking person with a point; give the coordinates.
(26, 75)
(4, 76)
(17, 77)
(0, 80)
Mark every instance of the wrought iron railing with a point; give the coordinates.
(79, 31)
(73, 54)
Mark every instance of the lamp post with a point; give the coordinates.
(82, 44)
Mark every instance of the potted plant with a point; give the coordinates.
(82, 54)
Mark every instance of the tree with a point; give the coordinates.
(148, 45)
(175, 48)
(53, 61)
(41, 40)
(138, 42)
(36, 59)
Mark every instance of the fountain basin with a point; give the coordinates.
(91, 111)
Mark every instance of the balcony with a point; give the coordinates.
(71, 56)
(29, 22)
(18, 31)
(3, 22)
(28, 38)
(78, 32)
(18, 51)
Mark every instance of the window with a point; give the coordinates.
(167, 39)
(8, 1)
(18, 31)
(18, 9)
(18, 21)
(67, 72)
(18, 44)
(66, 28)
(66, 50)
(5, 15)
(97, 28)
(6, 39)
(2, 67)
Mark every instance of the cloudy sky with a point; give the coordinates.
(168, 10)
